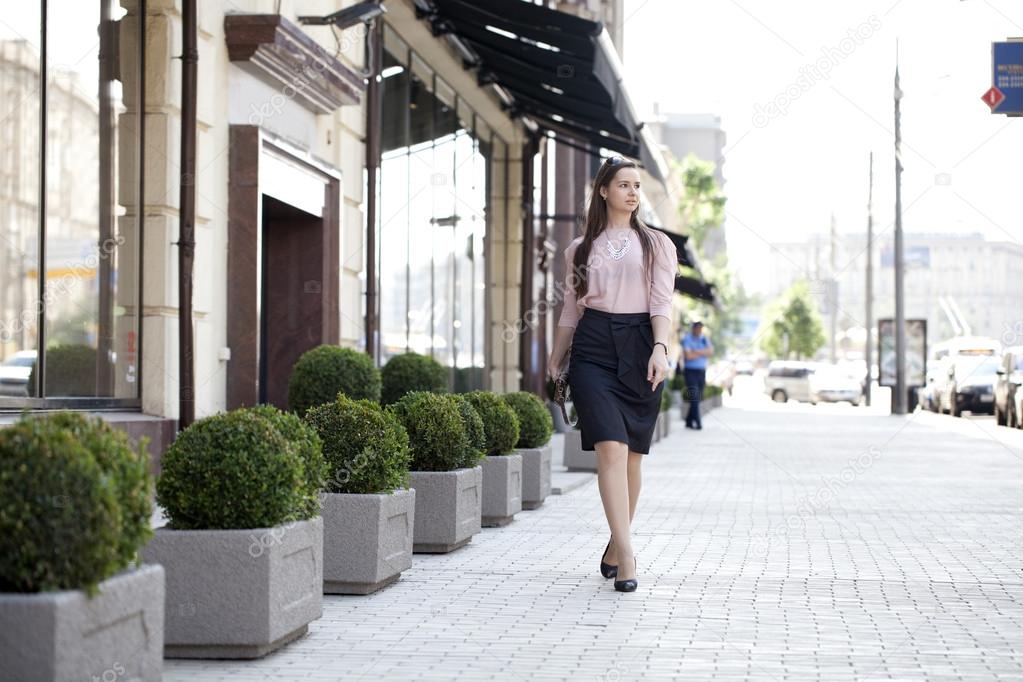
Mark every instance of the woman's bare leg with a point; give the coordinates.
(613, 482)
(635, 473)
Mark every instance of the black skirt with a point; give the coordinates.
(607, 376)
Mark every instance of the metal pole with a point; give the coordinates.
(832, 292)
(186, 236)
(869, 350)
(374, 59)
(899, 399)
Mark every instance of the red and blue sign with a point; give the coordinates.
(1006, 93)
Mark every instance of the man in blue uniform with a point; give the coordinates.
(696, 348)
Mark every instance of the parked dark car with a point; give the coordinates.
(1010, 376)
(971, 385)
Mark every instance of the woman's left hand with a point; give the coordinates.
(657, 368)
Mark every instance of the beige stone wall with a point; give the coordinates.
(337, 139)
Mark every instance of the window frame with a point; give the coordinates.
(10, 404)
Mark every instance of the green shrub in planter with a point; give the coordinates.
(535, 422)
(709, 391)
(476, 435)
(321, 373)
(666, 400)
(500, 423)
(70, 370)
(436, 434)
(306, 443)
(411, 372)
(74, 503)
(677, 382)
(232, 470)
(365, 447)
(468, 379)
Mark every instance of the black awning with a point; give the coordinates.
(681, 242)
(555, 66)
(694, 288)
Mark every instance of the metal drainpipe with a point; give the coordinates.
(374, 58)
(527, 365)
(186, 237)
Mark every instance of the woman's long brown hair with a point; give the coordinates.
(596, 222)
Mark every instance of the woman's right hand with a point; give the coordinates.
(553, 369)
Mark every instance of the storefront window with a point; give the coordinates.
(69, 257)
(433, 220)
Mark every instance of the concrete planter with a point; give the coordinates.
(536, 475)
(502, 489)
(118, 634)
(367, 540)
(575, 458)
(448, 511)
(662, 424)
(560, 425)
(239, 593)
(657, 429)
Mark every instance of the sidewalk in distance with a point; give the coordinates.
(781, 541)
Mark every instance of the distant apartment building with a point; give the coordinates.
(978, 277)
(702, 136)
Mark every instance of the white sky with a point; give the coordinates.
(786, 177)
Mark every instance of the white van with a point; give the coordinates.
(789, 380)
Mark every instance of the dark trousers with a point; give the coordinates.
(695, 380)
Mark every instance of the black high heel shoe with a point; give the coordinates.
(629, 585)
(607, 570)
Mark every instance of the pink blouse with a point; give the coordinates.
(619, 286)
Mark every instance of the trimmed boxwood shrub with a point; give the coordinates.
(70, 370)
(709, 391)
(411, 372)
(436, 433)
(500, 423)
(677, 383)
(475, 432)
(665, 400)
(321, 373)
(535, 422)
(306, 442)
(232, 470)
(74, 503)
(365, 447)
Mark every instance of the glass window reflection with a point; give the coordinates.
(432, 229)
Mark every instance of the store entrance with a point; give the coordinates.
(283, 264)
(291, 295)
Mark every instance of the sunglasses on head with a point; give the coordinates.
(614, 161)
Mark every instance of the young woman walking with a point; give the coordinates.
(615, 327)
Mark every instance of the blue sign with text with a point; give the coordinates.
(1007, 76)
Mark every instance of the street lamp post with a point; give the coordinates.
(899, 399)
(869, 350)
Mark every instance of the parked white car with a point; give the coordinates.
(788, 380)
(14, 373)
(829, 384)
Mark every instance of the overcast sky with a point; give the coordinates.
(786, 172)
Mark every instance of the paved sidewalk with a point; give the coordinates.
(763, 554)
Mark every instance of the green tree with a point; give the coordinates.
(792, 328)
(701, 204)
(701, 209)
